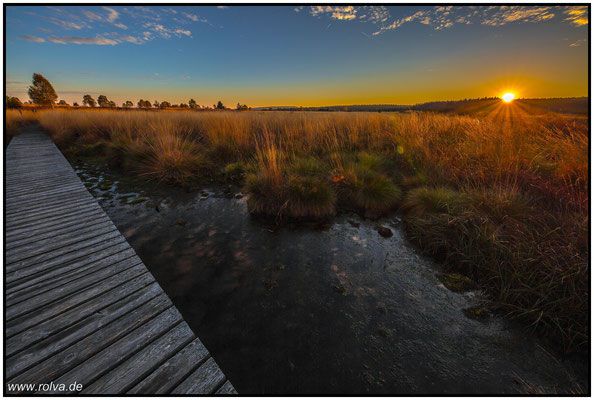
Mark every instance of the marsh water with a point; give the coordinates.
(332, 308)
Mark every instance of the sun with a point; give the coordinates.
(508, 97)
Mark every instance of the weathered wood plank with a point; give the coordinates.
(65, 227)
(14, 222)
(63, 254)
(18, 308)
(52, 281)
(169, 374)
(121, 350)
(69, 358)
(129, 373)
(205, 380)
(77, 214)
(226, 389)
(59, 241)
(19, 324)
(31, 274)
(62, 274)
(24, 352)
(84, 317)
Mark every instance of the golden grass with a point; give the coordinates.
(15, 119)
(501, 196)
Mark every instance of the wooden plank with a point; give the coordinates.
(77, 214)
(19, 324)
(63, 254)
(52, 281)
(84, 318)
(32, 204)
(226, 389)
(65, 227)
(24, 352)
(29, 219)
(169, 374)
(74, 355)
(15, 309)
(32, 274)
(59, 241)
(39, 208)
(205, 380)
(129, 373)
(45, 190)
(62, 274)
(121, 350)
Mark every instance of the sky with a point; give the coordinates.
(298, 55)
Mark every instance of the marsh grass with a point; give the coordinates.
(501, 197)
(15, 119)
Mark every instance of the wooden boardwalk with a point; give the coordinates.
(80, 306)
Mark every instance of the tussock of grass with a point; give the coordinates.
(309, 196)
(433, 200)
(234, 171)
(372, 191)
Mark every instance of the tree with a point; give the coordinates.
(242, 107)
(13, 102)
(75, 104)
(220, 105)
(42, 92)
(165, 104)
(144, 104)
(183, 105)
(156, 104)
(192, 103)
(62, 103)
(88, 100)
(127, 104)
(112, 104)
(102, 100)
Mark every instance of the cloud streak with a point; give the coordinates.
(82, 40)
(31, 38)
(577, 15)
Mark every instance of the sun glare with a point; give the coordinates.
(508, 97)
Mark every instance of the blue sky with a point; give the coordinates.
(298, 55)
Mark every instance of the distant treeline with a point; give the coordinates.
(570, 105)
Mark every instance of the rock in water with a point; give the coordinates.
(385, 232)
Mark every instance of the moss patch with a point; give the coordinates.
(457, 282)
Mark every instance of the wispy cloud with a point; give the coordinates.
(222, 7)
(335, 12)
(31, 38)
(126, 38)
(65, 24)
(507, 14)
(577, 15)
(195, 18)
(81, 40)
(110, 18)
(164, 32)
(578, 43)
(183, 32)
